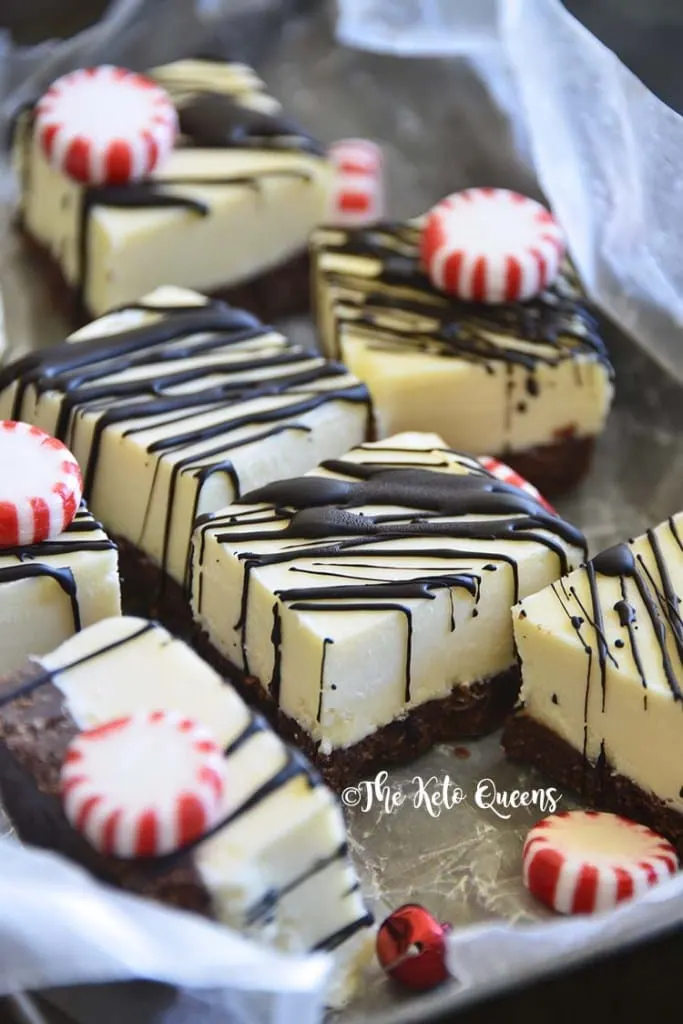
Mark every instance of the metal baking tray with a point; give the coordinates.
(463, 863)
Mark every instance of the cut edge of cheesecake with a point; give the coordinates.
(246, 607)
(601, 655)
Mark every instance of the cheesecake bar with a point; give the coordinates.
(367, 604)
(602, 667)
(55, 588)
(528, 382)
(228, 213)
(173, 407)
(275, 866)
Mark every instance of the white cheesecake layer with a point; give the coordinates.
(49, 590)
(342, 671)
(262, 203)
(629, 710)
(237, 443)
(474, 393)
(126, 665)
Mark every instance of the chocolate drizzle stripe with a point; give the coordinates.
(47, 676)
(210, 118)
(371, 287)
(337, 939)
(294, 764)
(266, 905)
(208, 361)
(327, 642)
(313, 518)
(656, 595)
(396, 305)
(33, 560)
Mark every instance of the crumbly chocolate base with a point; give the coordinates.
(528, 741)
(148, 592)
(35, 730)
(467, 712)
(554, 468)
(279, 292)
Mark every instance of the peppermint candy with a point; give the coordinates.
(582, 862)
(491, 245)
(503, 472)
(105, 125)
(144, 785)
(358, 193)
(40, 485)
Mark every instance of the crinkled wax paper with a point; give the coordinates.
(58, 926)
(606, 151)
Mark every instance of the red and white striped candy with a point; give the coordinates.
(358, 192)
(40, 485)
(503, 472)
(582, 862)
(144, 785)
(106, 125)
(491, 245)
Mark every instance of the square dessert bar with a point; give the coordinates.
(367, 604)
(228, 213)
(173, 407)
(602, 669)
(55, 588)
(275, 866)
(529, 382)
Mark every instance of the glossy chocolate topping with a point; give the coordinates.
(555, 325)
(436, 504)
(34, 560)
(99, 375)
(660, 604)
(208, 119)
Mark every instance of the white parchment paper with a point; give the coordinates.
(59, 927)
(607, 153)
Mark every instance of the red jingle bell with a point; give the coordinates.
(411, 947)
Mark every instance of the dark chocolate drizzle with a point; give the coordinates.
(208, 120)
(294, 766)
(215, 120)
(88, 377)
(321, 509)
(394, 307)
(655, 593)
(33, 560)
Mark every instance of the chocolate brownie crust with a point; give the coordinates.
(554, 468)
(35, 731)
(526, 740)
(149, 593)
(466, 713)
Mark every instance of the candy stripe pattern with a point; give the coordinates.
(503, 472)
(106, 125)
(144, 785)
(40, 485)
(491, 245)
(583, 862)
(358, 194)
